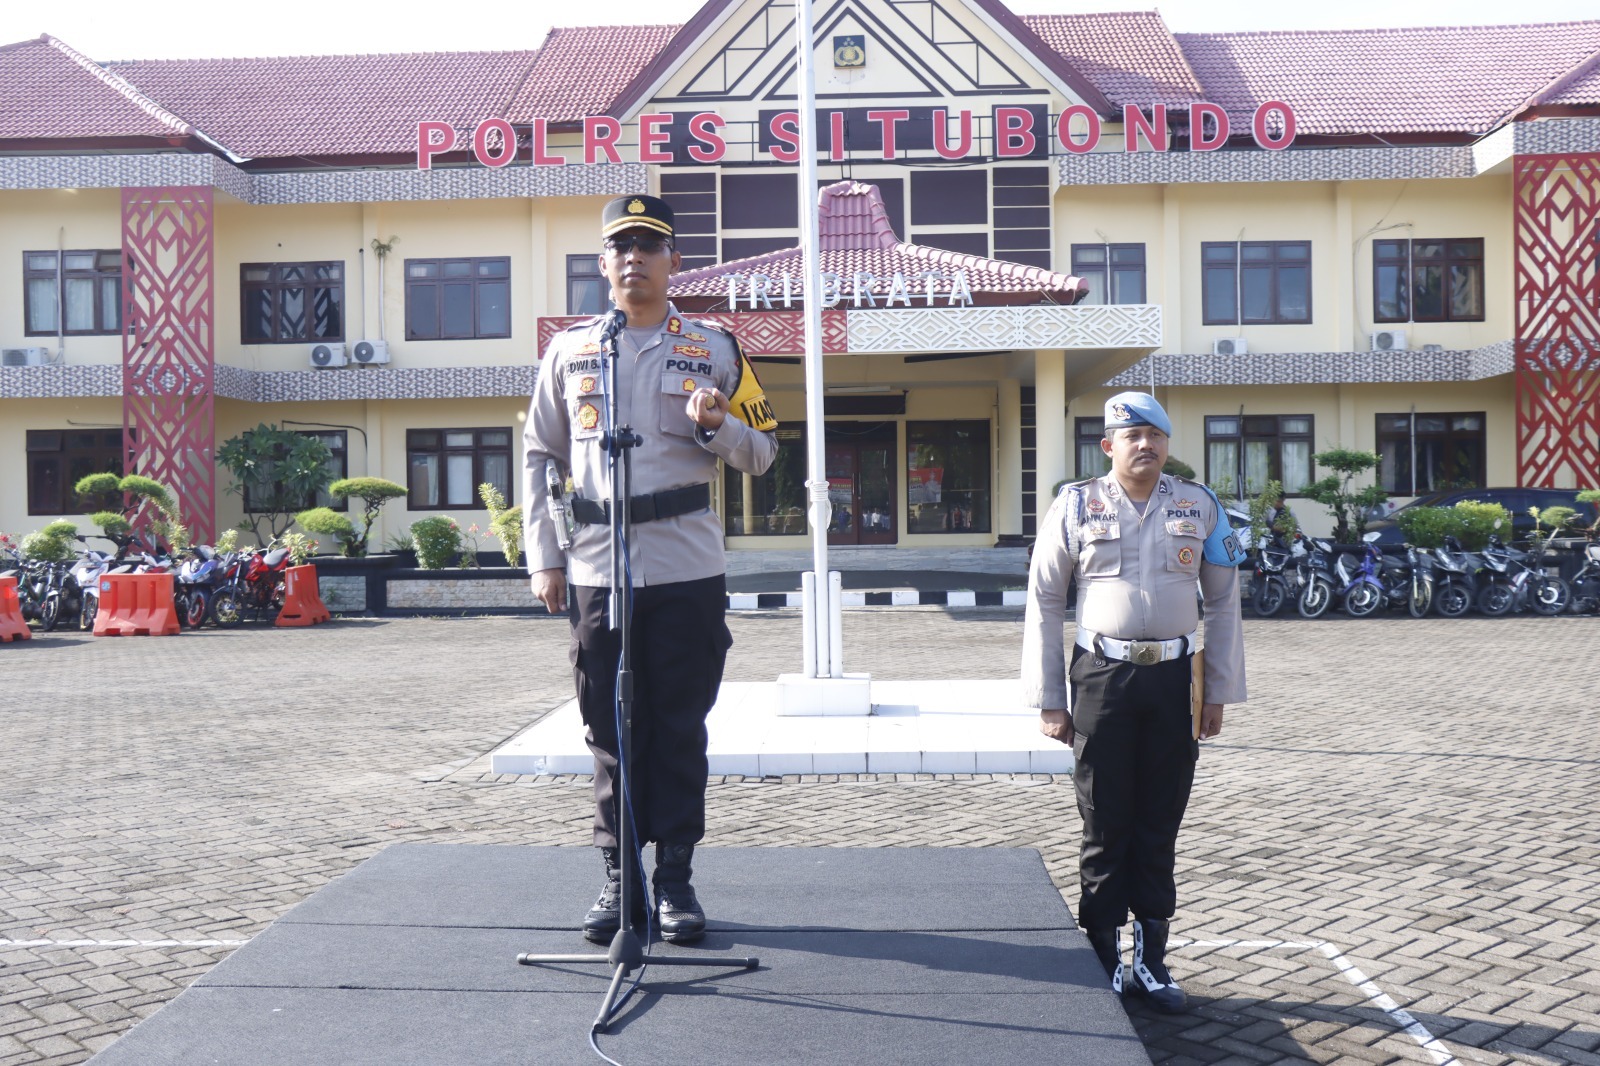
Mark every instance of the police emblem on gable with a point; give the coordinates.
(850, 51)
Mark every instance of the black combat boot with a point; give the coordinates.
(678, 912)
(1107, 944)
(1151, 978)
(605, 917)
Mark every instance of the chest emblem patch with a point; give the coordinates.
(692, 351)
(588, 416)
(1183, 528)
(1096, 506)
(690, 336)
(674, 324)
(586, 385)
(1183, 503)
(1185, 556)
(689, 385)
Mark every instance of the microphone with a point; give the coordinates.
(613, 324)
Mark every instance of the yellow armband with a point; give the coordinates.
(748, 402)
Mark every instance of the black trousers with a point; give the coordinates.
(680, 643)
(1135, 760)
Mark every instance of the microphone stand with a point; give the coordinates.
(626, 954)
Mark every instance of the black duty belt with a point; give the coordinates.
(646, 508)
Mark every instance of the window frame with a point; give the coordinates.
(442, 280)
(276, 285)
(1409, 264)
(1245, 435)
(1443, 439)
(341, 457)
(1087, 433)
(478, 451)
(34, 445)
(97, 276)
(587, 267)
(1233, 267)
(1107, 269)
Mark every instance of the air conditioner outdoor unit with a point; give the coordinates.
(1389, 340)
(23, 356)
(1229, 346)
(328, 355)
(371, 353)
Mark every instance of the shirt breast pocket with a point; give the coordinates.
(676, 388)
(1100, 550)
(1184, 545)
(586, 393)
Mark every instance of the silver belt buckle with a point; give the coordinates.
(1144, 652)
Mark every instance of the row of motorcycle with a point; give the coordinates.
(222, 588)
(1312, 575)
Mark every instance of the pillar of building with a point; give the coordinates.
(1050, 400)
(1008, 458)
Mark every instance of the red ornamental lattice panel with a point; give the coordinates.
(1557, 234)
(168, 349)
(760, 332)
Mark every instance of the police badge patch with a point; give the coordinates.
(588, 416)
(1185, 556)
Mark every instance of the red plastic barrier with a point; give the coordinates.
(302, 599)
(136, 605)
(12, 625)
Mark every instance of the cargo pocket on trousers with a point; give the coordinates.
(1082, 772)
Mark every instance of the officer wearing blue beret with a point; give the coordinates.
(1134, 544)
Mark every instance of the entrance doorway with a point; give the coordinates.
(859, 457)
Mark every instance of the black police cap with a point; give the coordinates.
(636, 212)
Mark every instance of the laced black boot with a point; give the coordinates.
(678, 912)
(1107, 944)
(605, 917)
(1151, 978)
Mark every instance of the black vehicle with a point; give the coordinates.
(1516, 501)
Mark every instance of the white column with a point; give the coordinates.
(1050, 396)
(1008, 457)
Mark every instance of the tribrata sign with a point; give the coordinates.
(700, 138)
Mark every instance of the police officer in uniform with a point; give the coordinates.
(1134, 544)
(687, 389)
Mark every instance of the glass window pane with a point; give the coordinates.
(494, 308)
(457, 269)
(422, 270)
(1257, 465)
(1256, 282)
(1256, 252)
(1219, 295)
(422, 311)
(1295, 425)
(329, 322)
(1128, 254)
(459, 487)
(497, 471)
(457, 300)
(424, 480)
(1389, 250)
(422, 438)
(257, 273)
(1471, 249)
(1088, 253)
(1428, 291)
(1128, 286)
(291, 314)
(41, 260)
(1092, 462)
(587, 296)
(111, 303)
(78, 261)
(1296, 465)
(1427, 250)
(1295, 251)
(1294, 294)
(1218, 253)
(1466, 290)
(460, 439)
(80, 304)
(493, 268)
(1430, 424)
(494, 438)
(1222, 466)
(1390, 295)
(1470, 423)
(1096, 281)
(257, 312)
(291, 272)
(41, 305)
(1222, 427)
(326, 271)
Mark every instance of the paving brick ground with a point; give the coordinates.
(1405, 817)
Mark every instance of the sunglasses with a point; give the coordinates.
(646, 245)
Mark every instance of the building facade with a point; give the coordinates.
(1298, 240)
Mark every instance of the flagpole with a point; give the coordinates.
(820, 606)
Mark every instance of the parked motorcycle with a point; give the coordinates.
(1360, 584)
(1315, 573)
(197, 581)
(1275, 582)
(1455, 578)
(252, 584)
(1585, 584)
(1511, 583)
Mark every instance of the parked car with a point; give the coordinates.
(1517, 501)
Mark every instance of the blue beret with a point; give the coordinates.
(1136, 409)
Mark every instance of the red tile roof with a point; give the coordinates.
(856, 237)
(1464, 79)
(1130, 56)
(1581, 87)
(53, 92)
(582, 70)
(287, 106)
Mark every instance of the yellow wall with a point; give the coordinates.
(44, 220)
(19, 416)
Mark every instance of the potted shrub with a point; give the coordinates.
(326, 522)
(282, 469)
(373, 492)
(1426, 527)
(505, 523)
(437, 538)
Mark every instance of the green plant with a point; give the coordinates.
(130, 493)
(469, 546)
(300, 547)
(100, 492)
(1481, 520)
(326, 522)
(52, 544)
(373, 492)
(505, 523)
(227, 540)
(1268, 514)
(281, 469)
(1348, 504)
(1557, 518)
(400, 541)
(437, 538)
(1426, 527)
(114, 524)
(1176, 467)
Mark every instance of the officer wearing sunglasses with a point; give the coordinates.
(687, 389)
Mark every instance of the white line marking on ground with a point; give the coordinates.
(122, 943)
(1375, 995)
